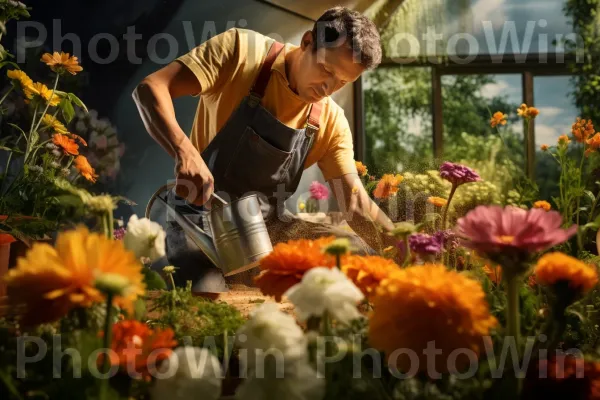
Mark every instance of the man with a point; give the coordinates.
(264, 115)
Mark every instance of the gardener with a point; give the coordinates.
(264, 115)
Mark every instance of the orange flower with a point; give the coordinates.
(582, 129)
(556, 267)
(593, 143)
(387, 186)
(60, 278)
(62, 62)
(367, 272)
(495, 274)
(527, 112)
(437, 201)
(544, 147)
(563, 140)
(66, 143)
(6, 238)
(542, 204)
(132, 344)
(286, 264)
(361, 168)
(498, 118)
(41, 91)
(85, 169)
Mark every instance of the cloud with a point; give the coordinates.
(546, 134)
(550, 112)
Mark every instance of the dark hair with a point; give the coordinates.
(340, 25)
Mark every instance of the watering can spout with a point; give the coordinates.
(195, 233)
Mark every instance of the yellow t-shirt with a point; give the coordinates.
(226, 67)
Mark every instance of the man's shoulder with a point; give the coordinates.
(253, 46)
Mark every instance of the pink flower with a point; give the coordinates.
(318, 191)
(510, 230)
(458, 174)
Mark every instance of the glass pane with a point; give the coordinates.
(397, 118)
(469, 27)
(557, 114)
(496, 153)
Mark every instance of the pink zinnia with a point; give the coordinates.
(318, 191)
(496, 230)
(458, 174)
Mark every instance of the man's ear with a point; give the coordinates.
(307, 40)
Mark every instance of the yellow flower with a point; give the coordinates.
(387, 186)
(544, 147)
(557, 267)
(437, 201)
(542, 204)
(50, 121)
(420, 304)
(498, 118)
(62, 62)
(20, 76)
(50, 281)
(301, 206)
(39, 90)
(361, 168)
(563, 140)
(368, 271)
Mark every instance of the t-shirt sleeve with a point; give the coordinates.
(338, 159)
(214, 61)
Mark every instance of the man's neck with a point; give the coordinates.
(290, 62)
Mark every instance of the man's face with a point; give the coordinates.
(325, 71)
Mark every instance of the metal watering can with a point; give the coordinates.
(239, 237)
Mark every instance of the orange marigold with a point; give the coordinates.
(527, 112)
(60, 278)
(593, 144)
(286, 264)
(558, 267)
(367, 271)
(387, 186)
(85, 169)
(564, 140)
(542, 204)
(582, 129)
(67, 144)
(498, 118)
(62, 62)
(562, 377)
(132, 344)
(544, 147)
(420, 304)
(437, 201)
(361, 168)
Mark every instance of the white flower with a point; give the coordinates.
(270, 330)
(190, 372)
(323, 289)
(145, 238)
(300, 382)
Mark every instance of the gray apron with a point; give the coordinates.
(253, 153)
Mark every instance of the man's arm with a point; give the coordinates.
(154, 100)
(360, 210)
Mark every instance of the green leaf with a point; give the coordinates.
(590, 195)
(17, 151)
(153, 280)
(77, 101)
(12, 64)
(67, 110)
(19, 129)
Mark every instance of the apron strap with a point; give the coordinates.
(314, 118)
(258, 89)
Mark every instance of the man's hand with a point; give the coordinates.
(194, 181)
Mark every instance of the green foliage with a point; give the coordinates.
(195, 320)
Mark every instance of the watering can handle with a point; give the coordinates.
(202, 239)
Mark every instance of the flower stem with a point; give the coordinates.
(106, 345)
(48, 102)
(6, 94)
(407, 254)
(338, 261)
(513, 317)
(445, 216)
(327, 334)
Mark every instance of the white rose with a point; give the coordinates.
(299, 382)
(190, 372)
(269, 329)
(324, 289)
(145, 238)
